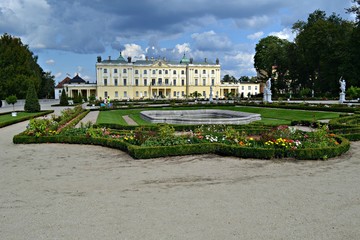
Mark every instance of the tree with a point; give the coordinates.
(355, 9)
(244, 79)
(32, 102)
(18, 67)
(63, 98)
(47, 85)
(271, 60)
(11, 100)
(195, 95)
(321, 52)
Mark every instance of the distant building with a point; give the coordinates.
(74, 86)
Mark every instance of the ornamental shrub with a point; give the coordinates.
(64, 99)
(32, 102)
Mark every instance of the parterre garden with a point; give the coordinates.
(264, 140)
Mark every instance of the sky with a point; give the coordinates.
(68, 35)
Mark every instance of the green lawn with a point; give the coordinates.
(7, 119)
(268, 115)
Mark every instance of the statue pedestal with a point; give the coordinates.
(342, 98)
(267, 98)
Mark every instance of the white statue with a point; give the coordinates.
(342, 85)
(268, 86)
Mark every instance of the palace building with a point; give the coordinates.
(156, 78)
(124, 79)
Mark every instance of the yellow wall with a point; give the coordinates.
(124, 80)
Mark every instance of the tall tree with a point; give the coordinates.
(322, 51)
(271, 60)
(355, 9)
(18, 67)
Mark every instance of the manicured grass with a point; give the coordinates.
(7, 119)
(269, 115)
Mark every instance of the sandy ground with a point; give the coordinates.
(57, 191)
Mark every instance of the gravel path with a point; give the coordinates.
(58, 191)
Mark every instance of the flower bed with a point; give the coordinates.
(279, 142)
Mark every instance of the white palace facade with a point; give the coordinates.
(123, 79)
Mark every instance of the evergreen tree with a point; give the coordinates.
(63, 98)
(32, 102)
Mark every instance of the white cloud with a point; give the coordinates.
(133, 50)
(58, 74)
(211, 41)
(286, 33)
(50, 62)
(255, 36)
(254, 22)
(182, 48)
(79, 69)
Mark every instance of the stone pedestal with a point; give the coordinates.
(342, 98)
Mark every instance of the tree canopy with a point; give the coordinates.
(19, 68)
(325, 48)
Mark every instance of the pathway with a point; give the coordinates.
(129, 120)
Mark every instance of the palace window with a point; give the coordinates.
(125, 82)
(124, 70)
(136, 71)
(145, 93)
(204, 82)
(182, 72)
(115, 82)
(166, 72)
(174, 82)
(153, 81)
(167, 81)
(160, 72)
(145, 71)
(212, 82)
(182, 82)
(136, 82)
(105, 82)
(249, 88)
(196, 71)
(105, 94)
(145, 82)
(137, 93)
(204, 71)
(115, 70)
(196, 82)
(174, 72)
(105, 70)
(116, 94)
(153, 71)
(242, 88)
(125, 93)
(174, 93)
(213, 71)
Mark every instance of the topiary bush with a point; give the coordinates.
(64, 99)
(32, 102)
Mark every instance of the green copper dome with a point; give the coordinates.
(185, 60)
(121, 58)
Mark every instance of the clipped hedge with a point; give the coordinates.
(21, 119)
(323, 153)
(139, 152)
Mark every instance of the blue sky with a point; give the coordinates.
(68, 35)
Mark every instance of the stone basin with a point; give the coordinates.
(203, 116)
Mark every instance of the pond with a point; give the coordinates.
(203, 116)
